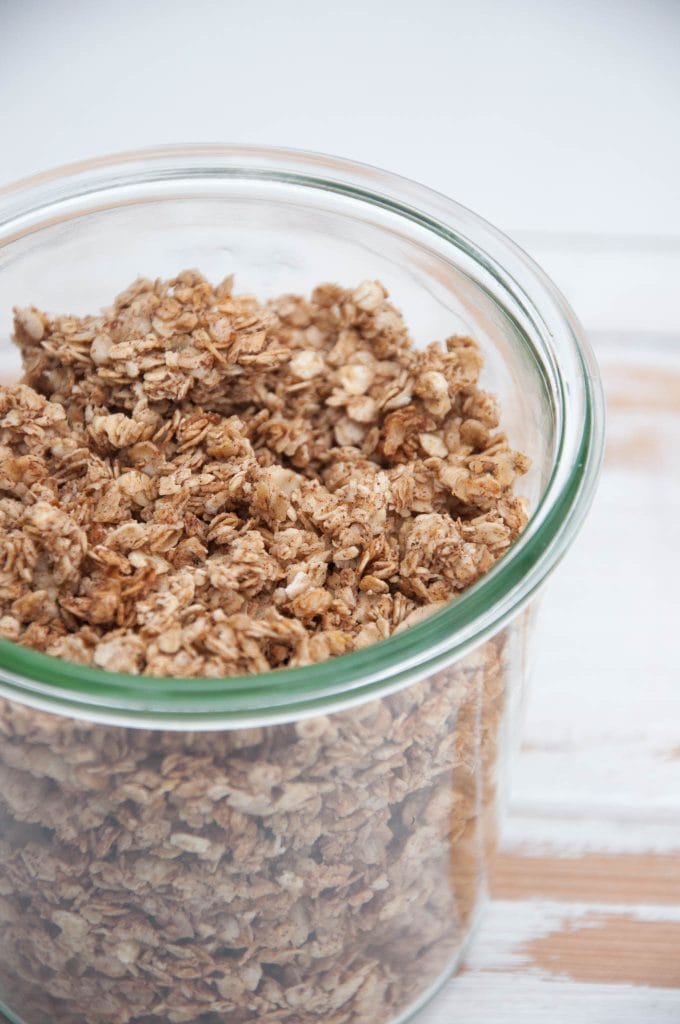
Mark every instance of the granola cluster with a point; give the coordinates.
(197, 484)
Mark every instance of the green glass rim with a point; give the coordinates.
(571, 380)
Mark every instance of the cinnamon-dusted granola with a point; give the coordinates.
(197, 484)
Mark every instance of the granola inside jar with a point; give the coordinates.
(322, 871)
(200, 484)
(264, 564)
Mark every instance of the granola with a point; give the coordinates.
(197, 484)
(322, 872)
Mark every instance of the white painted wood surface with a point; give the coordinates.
(584, 921)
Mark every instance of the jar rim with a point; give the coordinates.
(53, 684)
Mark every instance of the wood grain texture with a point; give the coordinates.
(510, 997)
(538, 960)
(636, 878)
(611, 948)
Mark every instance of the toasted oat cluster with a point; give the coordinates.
(198, 484)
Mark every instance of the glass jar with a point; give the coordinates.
(307, 845)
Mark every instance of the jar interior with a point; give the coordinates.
(76, 254)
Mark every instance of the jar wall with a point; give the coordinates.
(326, 870)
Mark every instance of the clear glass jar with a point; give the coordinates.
(307, 845)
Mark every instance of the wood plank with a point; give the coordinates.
(512, 998)
(533, 961)
(604, 947)
(627, 878)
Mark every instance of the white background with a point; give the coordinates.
(542, 115)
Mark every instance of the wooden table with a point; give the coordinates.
(584, 922)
